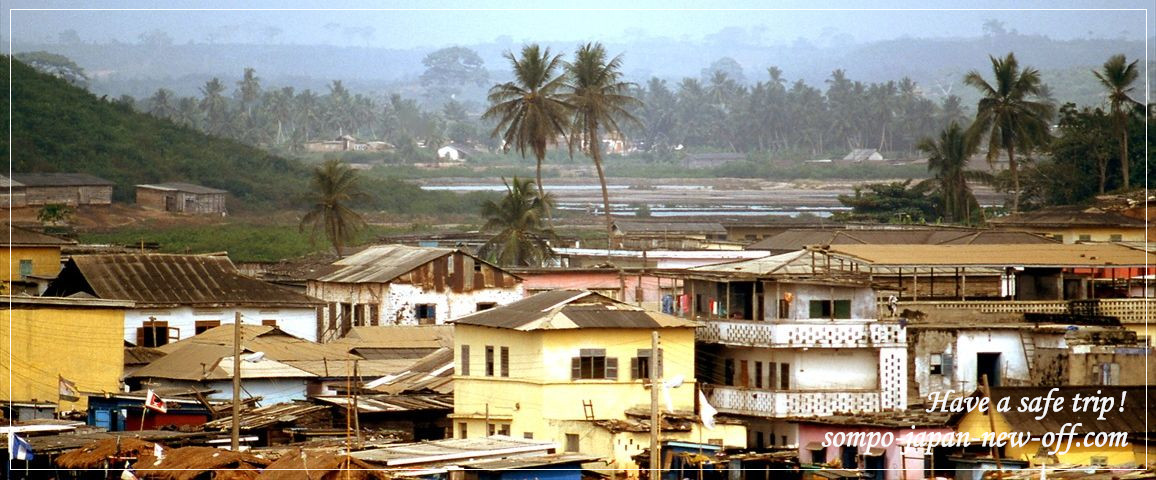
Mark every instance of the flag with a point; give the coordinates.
(128, 474)
(68, 391)
(158, 451)
(18, 448)
(154, 402)
(705, 411)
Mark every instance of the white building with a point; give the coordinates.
(454, 153)
(786, 338)
(178, 296)
(403, 285)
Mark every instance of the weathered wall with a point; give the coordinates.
(45, 261)
(297, 321)
(71, 196)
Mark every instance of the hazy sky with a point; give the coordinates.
(540, 21)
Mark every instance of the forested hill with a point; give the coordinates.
(57, 127)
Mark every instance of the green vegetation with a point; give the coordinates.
(522, 236)
(895, 202)
(333, 188)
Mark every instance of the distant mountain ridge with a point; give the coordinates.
(936, 64)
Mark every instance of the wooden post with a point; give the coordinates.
(991, 423)
(235, 439)
(655, 418)
(356, 415)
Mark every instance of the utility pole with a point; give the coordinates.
(991, 422)
(235, 442)
(655, 419)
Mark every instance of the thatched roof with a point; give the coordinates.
(94, 454)
(197, 463)
(322, 465)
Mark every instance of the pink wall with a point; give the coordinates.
(814, 432)
(651, 286)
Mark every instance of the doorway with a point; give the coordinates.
(987, 364)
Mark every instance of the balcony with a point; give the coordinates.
(1128, 310)
(800, 334)
(788, 403)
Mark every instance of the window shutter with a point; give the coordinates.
(634, 373)
(948, 364)
(612, 368)
(575, 368)
(140, 337)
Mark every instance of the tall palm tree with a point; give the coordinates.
(947, 163)
(522, 238)
(334, 186)
(1117, 77)
(600, 99)
(529, 110)
(1011, 114)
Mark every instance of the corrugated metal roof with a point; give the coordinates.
(181, 187)
(382, 263)
(791, 263)
(394, 403)
(169, 280)
(267, 416)
(627, 227)
(570, 309)
(1024, 255)
(59, 180)
(23, 237)
(398, 336)
(796, 239)
(1066, 217)
(451, 450)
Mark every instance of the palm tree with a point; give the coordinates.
(334, 186)
(600, 99)
(522, 238)
(1117, 77)
(1011, 113)
(947, 162)
(529, 110)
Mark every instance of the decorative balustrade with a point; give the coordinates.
(787, 403)
(795, 334)
(1128, 310)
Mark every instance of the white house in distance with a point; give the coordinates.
(864, 155)
(784, 337)
(454, 153)
(403, 285)
(178, 296)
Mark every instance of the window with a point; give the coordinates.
(489, 360)
(758, 374)
(830, 309)
(640, 365)
(1058, 237)
(505, 361)
(1106, 373)
(200, 326)
(784, 377)
(1115, 237)
(772, 377)
(269, 322)
(571, 442)
(426, 313)
(1085, 238)
(760, 443)
(850, 456)
(463, 432)
(528, 435)
(504, 429)
(935, 365)
(592, 363)
(1099, 460)
(485, 306)
(819, 455)
(374, 314)
(465, 362)
(25, 267)
(784, 308)
(358, 315)
(729, 371)
(152, 334)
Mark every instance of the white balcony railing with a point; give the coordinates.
(788, 403)
(795, 334)
(1128, 310)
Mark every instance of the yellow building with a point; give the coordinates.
(34, 258)
(80, 340)
(1069, 224)
(1085, 425)
(571, 366)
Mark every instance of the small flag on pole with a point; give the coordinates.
(18, 448)
(68, 390)
(154, 402)
(705, 411)
(158, 451)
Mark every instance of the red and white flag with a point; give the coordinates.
(153, 401)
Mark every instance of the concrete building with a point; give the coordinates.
(571, 366)
(1075, 224)
(181, 198)
(786, 337)
(402, 285)
(898, 460)
(77, 339)
(178, 296)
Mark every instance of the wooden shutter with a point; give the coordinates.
(612, 368)
(575, 368)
